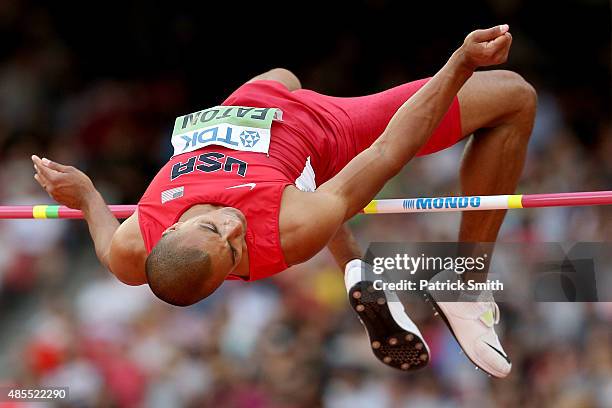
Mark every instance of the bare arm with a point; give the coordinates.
(102, 226)
(118, 247)
(282, 75)
(309, 228)
(414, 122)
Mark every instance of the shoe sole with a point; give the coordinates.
(393, 345)
(440, 313)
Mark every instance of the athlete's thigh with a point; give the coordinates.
(370, 115)
(486, 98)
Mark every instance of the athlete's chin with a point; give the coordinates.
(238, 214)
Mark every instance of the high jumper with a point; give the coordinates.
(268, 178)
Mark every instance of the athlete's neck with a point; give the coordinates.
(198, 209)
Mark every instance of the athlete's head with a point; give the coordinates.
(194, 257)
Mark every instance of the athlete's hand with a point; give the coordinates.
(65, 184)
(482, 48)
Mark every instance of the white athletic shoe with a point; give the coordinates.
(394, 338)
(472, 324)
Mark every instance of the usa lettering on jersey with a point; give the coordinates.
(209, 163)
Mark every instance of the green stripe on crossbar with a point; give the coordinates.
(52, 211)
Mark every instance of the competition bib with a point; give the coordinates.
(235, 127)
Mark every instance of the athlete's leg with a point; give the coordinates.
(358, 121)
(498, 107)
(281, 75)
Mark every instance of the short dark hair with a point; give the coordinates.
(177, 273)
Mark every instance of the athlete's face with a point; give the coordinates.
(220, 233)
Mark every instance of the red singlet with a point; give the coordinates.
(329, 131)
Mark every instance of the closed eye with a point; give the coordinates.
(211, 227)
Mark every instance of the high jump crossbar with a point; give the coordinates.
(385, 206)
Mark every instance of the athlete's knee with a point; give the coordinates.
(520, 94)
(288, 78)
(497, 98)
(282, 75)
(519, 121)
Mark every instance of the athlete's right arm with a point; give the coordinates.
(414, 122)
(118, 247)
(309, 220)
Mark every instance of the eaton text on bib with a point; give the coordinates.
(235, 127)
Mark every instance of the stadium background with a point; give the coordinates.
(98, 85)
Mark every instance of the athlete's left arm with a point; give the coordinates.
(282, 75)
(119, 247)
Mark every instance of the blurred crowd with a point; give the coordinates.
(290, 341)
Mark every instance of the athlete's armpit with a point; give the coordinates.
(307, 222)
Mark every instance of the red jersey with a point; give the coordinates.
(317, 136)
(251, 182)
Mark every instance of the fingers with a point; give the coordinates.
(489, 33)
(40, 181)
(42, 169)
(500, 48)
(56, 166)
(45, 176)
(507, 50)
(500, 41)
(52, 165)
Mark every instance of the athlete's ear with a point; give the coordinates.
(172, 227)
